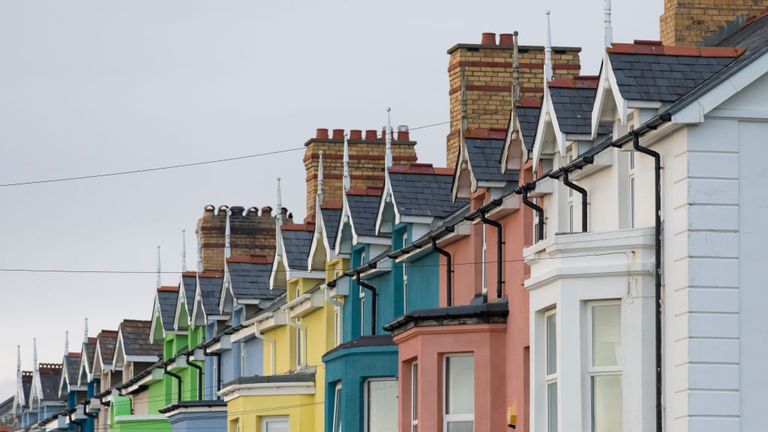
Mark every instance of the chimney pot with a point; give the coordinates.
(321, 134)
(488, 39)
(370, 135)
(506, 40)
(355, 134)
(402, 133)
(237, 210)
(266, 211)
(338, 134)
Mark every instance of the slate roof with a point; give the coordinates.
(331, 219)
(210, 292)
(528, 118)
(663, 78)
(26, 385)
(107, 340)
(50, 376)
(189, 285)
(71, 364)
(419, 194)
(364, 341)
(573, 108)
(136, 339)
(485, 158)
(167, 300)
(452, 315)
(297, 244)
(285, 378)
(6, 406)
(89, 348)
(364, 209)
(250, 281)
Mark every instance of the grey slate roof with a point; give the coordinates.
(189, 284)
(136, 339)
(529, 123)
(297, 244)
(425, 194)
(663, 78)
(331, 219)
(285, 378)
(50, 377)
(89, 349)
(71, 364)
(167, 301)
(364, 341)
(485, 158)
(452, 315)
(573, 107)
(364, 209)
(107, 340)
(26, 385)
(250, 281)
(210, 293)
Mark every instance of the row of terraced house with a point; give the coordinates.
(589, 260)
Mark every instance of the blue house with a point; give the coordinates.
(361, 372)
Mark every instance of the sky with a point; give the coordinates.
(90, 86)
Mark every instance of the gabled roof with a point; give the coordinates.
(528, 120)
(186, 298)
(87, 355)
(572, 101)
(106, 341)
(297, 239)
(331, 220)
(49, 375)
(484, 157)
(421, 190)
(70, 368)
(89, 349)
(480, 162)
(133, 343)
(167, 297)
(249, 277)
(525, 119)
(363, 206)
(208, 294)
(327, 220)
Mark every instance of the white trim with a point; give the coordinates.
(154, 376)
(447, 418)
(386, 193)
(195, 409)
(139, 417)
(267, 389)
(366, 397)
(336, 420)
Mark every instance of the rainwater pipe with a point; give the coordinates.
(373, 290)
(499, 250)
(448, 270)
(199, 375)
(178, 381)
(218, 369)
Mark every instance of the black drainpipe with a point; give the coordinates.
(539, 211)
(584, 203)
(85, 411)
(79, 423)
(218, 369)
(177, 378)
(372, 288)
(657, 269)
(199, 376)
(499, 250)
(448, 269)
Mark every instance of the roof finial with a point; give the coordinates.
(34, 354)
(227, 237)
(548, 52)
(463, 100)
(608, 23)
(183, 250)
(388, 153)
(279, 203)
(66, 342)
(345, 179)
(515, 71)
(159, 272)
(85, 332)
(18, 359)
(320, 179)
(199, 255)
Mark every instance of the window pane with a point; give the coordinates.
(277, 426)
(415, 392)
(460, 426)
(337, 409)
(460, 385)
(382, 406)
(552, 407)
(606, 403)
(551, 344)
(606, 335)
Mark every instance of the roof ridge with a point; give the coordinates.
(674, 50)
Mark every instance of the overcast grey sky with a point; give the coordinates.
(95, 86)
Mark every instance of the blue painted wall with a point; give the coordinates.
(424, 282)
(197, 422)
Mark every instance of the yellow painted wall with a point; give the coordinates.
(249, 410)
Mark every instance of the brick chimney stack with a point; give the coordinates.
(696, 22)
(487, 70)
(366, 161)
(252, 233)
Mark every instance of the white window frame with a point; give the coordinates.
(337, 325)
(299, 344)
(336, 425)
(449, 418)
(361, 294)
(484, 262)
(366, 397)
(632, 188)
(571, 217)
(414, 396)
(596, 371)
(268, 419)
(551, 378)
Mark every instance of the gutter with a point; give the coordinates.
(218, 368)
(199, 370)
(448, 269)
(178, 381)
(584, 202)
(499, 251)
(373, 290)
(539, 211)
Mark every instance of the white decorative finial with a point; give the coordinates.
(183, 250)
(608, 23)
(199, 256)
(548, 53)
(345, 179)
(18, 359)
(159, 282)
(320, 179)
(388, 153)
(279, 203)
(227, 237)
(85, 332)
(34, 354)
(66, 342)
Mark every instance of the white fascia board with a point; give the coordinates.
(267, 389)
(154, 376)
(603, 87)
(226, 287)
(243, 333)
(622, 108)
(255, 302)
(426, 220)
(148, 417)
(696, 110)
(460, 230)
(141, 358)
(345, 214)
(491, 184)
(195, 409)
(156, 315)
(545, 120)
(198, 308)
(463, 157)
(310, 303)
(513, 121)
(373, 240)
(119, 349)
(559, 135)
(302, 274)
(224, 343)
(181, 302)
(386, 193)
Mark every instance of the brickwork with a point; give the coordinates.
(488, 79)
(252, 233)
(366, 162)
(692, 22)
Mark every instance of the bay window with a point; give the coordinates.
(381, 405)
(337, 408)
(414, 397)
(604, 366)
(459, 393)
